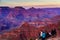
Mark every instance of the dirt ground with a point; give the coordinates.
(57, 38)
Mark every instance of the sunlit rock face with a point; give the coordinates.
(11, 18)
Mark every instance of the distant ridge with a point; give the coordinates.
(15, 16)
(29, 7)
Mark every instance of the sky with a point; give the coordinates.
(29, 2)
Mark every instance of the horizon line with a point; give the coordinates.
(35, 6)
